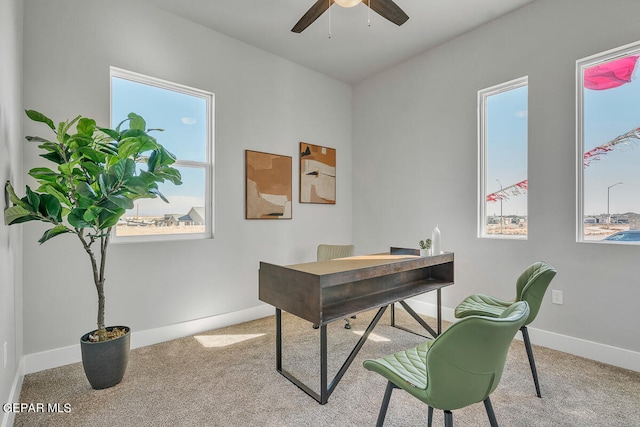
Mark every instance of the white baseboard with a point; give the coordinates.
(36, 362)
(14, 395)
(604, 353)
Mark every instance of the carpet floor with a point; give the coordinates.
(227, 377)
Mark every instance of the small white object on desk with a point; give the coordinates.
(435, 241)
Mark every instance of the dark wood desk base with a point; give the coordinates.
(325, 291)
(326, 389)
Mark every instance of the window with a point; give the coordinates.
(503, 183)
(186, 117)
(608, 133)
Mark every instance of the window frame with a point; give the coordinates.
(483, 95)
(581, 65)
(207, 165)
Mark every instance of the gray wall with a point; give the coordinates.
(415, 151)
(263, 103)
(10, 169)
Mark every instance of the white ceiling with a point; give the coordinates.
(355, 50)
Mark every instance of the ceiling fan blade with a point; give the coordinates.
(312, 14)
(388, 9)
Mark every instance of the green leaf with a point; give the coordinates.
(159, 194)
(170, 174)
(53, 232)
(77, 174)
(134, 145)
(39, 117)
(112, 133)
(37, 139)
(63, 128)
(66, 168)
(86, 126)
(76, 219)
(85, 190)
(91, 214)
(92, 169)
(54, 157)
(13, 197)
(56, 191)
(125, 168)
(50, 207)
(33, 199)
(49, 146)
(44, 174)
(152, 161)
(109, 219)
(92, 154)
(108, 149)
(17, 214)
(102, 183)
(136, 185)
(84, 202)
(107, 204)
(168, 158)
(137, 122)
(122, 201)
(78, 140)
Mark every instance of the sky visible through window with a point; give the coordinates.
(608, 114)
(506, 119)
(184, 120)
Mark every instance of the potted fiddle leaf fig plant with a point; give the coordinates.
(96, 177)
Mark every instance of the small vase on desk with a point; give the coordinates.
(435, 241)
(425, 252)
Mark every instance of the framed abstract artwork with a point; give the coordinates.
(268, 185)
(317, 174)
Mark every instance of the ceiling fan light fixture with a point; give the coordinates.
(347, 3)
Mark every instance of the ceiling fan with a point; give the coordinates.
(385, 8)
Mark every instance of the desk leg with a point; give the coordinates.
(418, 319)
(325, 388)
(324, 394)
(279, 340)
(439, 312)
(393, 314)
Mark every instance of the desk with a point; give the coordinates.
(324, 291)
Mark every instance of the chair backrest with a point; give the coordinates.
(465, 363)
(532, 285)
(327, 252)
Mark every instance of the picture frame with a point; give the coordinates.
(317, 174)
(268, 185)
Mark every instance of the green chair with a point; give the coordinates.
(462, 366)
(530, 287)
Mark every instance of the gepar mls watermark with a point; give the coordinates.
(60, 408)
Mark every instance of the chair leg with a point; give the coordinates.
(385, 403)
(490, 413)
(532, 363)
(348, 322)
(429, 416)
(448, 419)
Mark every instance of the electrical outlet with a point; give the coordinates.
(556, 297)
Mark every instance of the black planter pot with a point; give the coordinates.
(105, 362)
